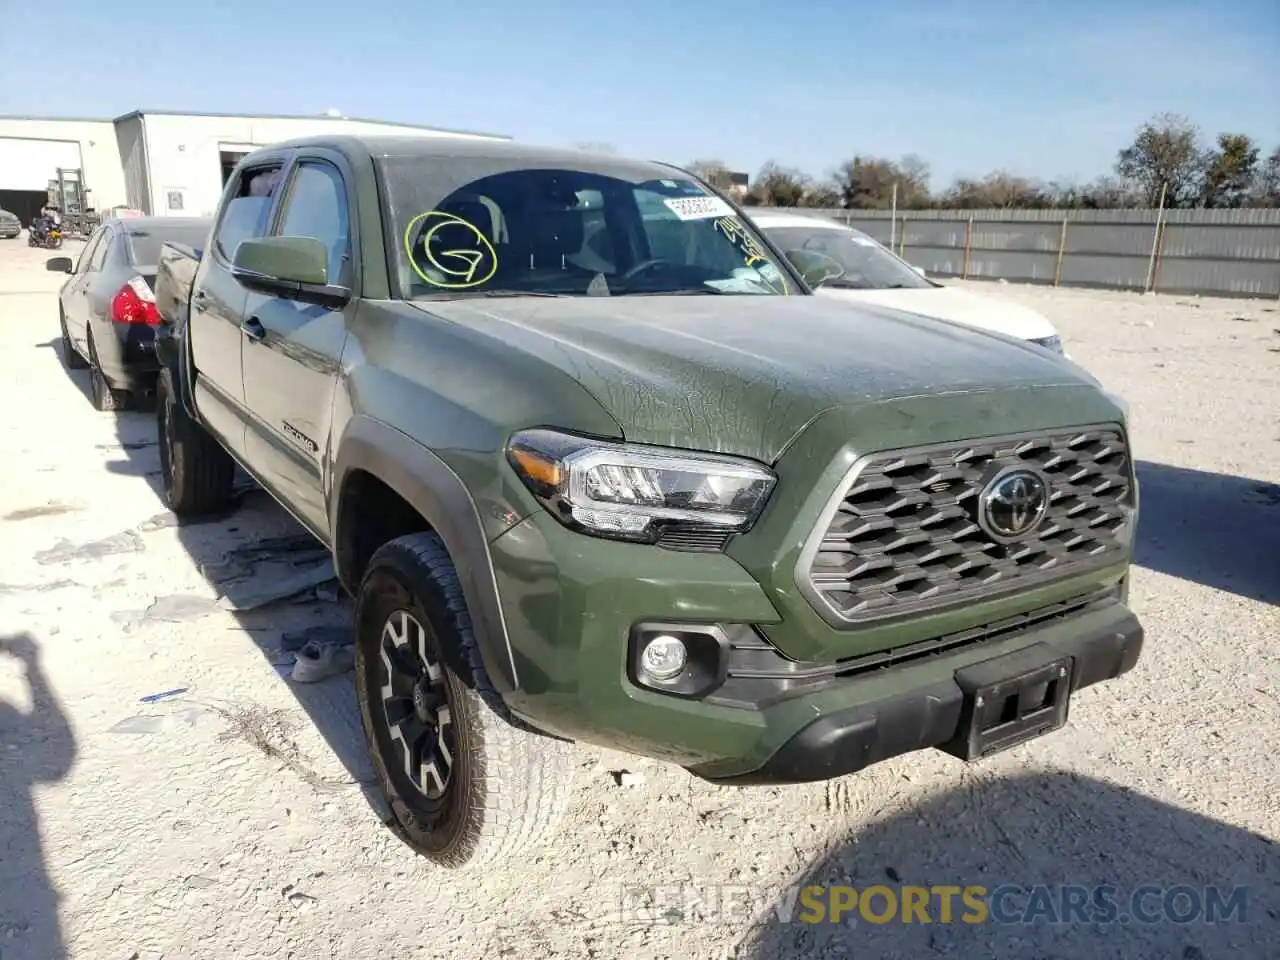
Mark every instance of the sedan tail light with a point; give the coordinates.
(135, 303)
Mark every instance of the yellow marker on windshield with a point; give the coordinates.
(467, 260)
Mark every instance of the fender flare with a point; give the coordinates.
(428, 484)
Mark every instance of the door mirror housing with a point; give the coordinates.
(816, 268)
(60, 265)
(293, 268)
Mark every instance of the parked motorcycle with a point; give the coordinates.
(44, 234)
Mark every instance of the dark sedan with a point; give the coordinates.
(107, 308)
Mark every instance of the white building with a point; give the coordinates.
(155, 161)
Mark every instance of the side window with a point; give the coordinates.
(316, 206)
(100, 252)
(87, 254)
(247, 214)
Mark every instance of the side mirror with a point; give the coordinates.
(294, 268)
(816, 268)
(60, 265)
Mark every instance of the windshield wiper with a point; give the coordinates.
(487, 294)
(692, 292)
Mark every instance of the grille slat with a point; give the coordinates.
(905, 537)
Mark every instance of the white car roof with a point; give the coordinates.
(772, 218)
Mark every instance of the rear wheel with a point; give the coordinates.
(467, 786)
(198, 474)
(70, 356)
(104, 397)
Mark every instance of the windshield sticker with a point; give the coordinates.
(698, 208)
(753, 254)
(455, 250)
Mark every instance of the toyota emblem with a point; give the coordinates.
(1013, 504)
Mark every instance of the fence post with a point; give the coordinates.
(1155, 275)
(1155, 242)
(968, 246)
(1062, 249)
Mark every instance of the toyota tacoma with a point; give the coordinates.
(598, 466)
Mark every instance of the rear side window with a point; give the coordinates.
(87, 253)
(248, 214)
(100, 251)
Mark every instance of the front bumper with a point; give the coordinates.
(570, 603)
(851, 739)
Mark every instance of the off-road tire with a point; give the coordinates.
(197, 474)
(70, 356)
(105, 398)
(508, 786)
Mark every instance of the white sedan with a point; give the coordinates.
(865, 271)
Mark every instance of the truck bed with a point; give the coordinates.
(175, 276)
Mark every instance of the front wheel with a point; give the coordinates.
(105, 397)
(466, 785)
(70, 356)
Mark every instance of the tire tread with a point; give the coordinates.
(524, 779)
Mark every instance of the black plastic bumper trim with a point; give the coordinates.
(850, 740)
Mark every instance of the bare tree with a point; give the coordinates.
(714, 172)
(999, 189)
(1165, 153)
(1266, 185)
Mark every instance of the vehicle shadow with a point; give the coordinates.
(79, 377)
(1049, 830)
(1213, 529)
(37, 746)
(260, 555)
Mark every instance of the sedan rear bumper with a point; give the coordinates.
(128, 357)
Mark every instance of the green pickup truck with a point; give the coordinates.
(597, 466)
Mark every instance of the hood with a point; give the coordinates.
(956, 306)
(744, 374)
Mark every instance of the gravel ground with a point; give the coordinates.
(231, 820)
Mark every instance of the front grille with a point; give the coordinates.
(903, 535)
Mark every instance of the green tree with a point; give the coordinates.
(1165, 154)
(866, 183)
(1230, 171)
(777, 186)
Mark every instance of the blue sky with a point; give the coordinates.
(1048, 90)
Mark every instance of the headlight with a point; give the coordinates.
(1053, 343)
(629, 491)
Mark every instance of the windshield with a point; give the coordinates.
(144, 245)
(866, 264)
(467, 226)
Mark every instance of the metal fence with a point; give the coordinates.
(1229, 253)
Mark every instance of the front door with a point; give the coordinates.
(218, 302)
(292, 351)
(74, 307)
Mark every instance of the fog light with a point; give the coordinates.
(663, 657)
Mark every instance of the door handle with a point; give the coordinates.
(200, 301)
(253, 329)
